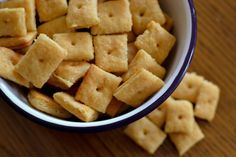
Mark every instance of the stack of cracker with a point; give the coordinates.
(175, 117)
(17, 23)
(100, 57)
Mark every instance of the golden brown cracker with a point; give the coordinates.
(138, 88)
(97, 88)
(82, 14)
(115, 17)
(146, 134)
(51, 9)
(79, 45)
(81, 111)
(111, 52)
(8, 60)
(46, 104)
(41, 61)
(156, 41)
(12, 22)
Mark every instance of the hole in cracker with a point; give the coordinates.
(73, 43)
(190, 86)
(141, 14)
(109, 52)
(180, 117)
(110, 15)
(145, 132)
(159, 109)
(79, 6)
(6, 21)
(210, 101)
(41, 60)
(99, 89)
(158, 45)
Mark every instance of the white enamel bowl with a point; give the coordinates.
(183, 13)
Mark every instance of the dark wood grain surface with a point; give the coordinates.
(215, 59)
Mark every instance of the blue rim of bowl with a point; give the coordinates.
(133, 118)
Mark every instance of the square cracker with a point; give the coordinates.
(143, 60)
(179, 117)
(78, 44)
(68, 73)
(138, 88)
(52, 27)
(132, 51)
(189, 87)
(158, 116)
(111, 52)
(41, 61)
(12, 22)
(156, 41)
(115, 17)
(97, 88)
(50, 9)
(29, 6)
(207, 101)
(46, 104)
(8, 60)
(18, 42)
(83, 112)
(146, 134)
(82, 14)
(144, 11)
(184, 141)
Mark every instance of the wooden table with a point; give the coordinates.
(215, 59)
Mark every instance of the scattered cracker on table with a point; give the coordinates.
(132, 51)
(41, 61)
(189, 87)
(156, 41)
(8, 60)
(52, 27)
(12, 22)
(111, 52)
(82, 14)
(158, 116)
(29, 6)
(138, 88)
(179, 117)
(207, 101)
(146, 134)
(97, 88)
(143, 60)
(144, 11)
(83, 112)
(46, 104)
(68, 73)
(184, 141)
(18, 42)
(50, 9)
(115, 17)
(79, 45)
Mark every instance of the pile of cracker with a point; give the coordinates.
(195, 97)
(101, 56)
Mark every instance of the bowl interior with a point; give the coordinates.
(184, 27)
